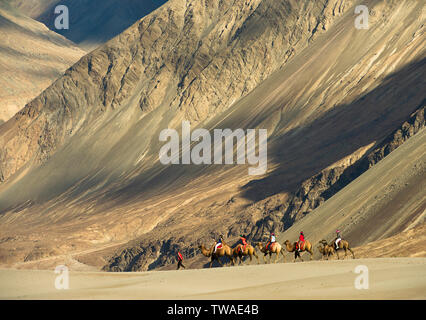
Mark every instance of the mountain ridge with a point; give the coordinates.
(105, 21)
(29, 59)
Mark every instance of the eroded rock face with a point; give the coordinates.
(196, 56)
(324, 185)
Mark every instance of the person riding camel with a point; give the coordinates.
(272, 240)
(243, 239)
(218, 244)
(301, 241)
(338, 239)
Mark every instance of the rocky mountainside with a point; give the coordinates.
(80, 162)
(92, 22)
(175, 64)
(31, 58)
(353, 219)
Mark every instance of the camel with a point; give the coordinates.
(292, 248)
(343, 244)
(224, 251)
(249, 251)
(273, 248)
(326, 250)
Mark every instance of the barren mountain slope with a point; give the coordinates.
(173, 62)
(408, 243)
(92, 22)
(31, 58)
(386, 200)
(327, 93)
(32, 8)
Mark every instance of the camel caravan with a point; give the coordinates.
(221, 249)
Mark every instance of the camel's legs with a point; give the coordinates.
(257, 258)
(264, 259)
(282, 252)
(218, 260)
(278, 255)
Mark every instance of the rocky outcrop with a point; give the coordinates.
(145, 256)
(197, 56)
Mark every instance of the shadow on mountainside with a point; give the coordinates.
(305, 151)
(300, 153)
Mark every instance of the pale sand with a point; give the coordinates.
(389, 278)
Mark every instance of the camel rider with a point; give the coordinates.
(272, 240)
(301, 240)
(338, 239)
(243, 239)
(218, 244)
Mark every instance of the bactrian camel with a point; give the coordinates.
(325, 250)
(343, 244)
(225, 250)
(249, 251)
(306, 246)
(273, 248)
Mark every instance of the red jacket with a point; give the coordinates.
(243, 240)
(302, 238)
(179, 256)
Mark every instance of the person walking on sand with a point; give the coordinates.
(180, 259)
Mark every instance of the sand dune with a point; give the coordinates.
(390, 278)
